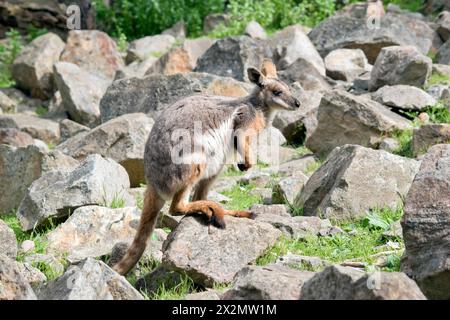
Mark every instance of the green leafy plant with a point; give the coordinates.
(8, 53)
(404, 139)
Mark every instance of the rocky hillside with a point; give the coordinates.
(355, 204)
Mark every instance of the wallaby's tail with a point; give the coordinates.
(152, 205)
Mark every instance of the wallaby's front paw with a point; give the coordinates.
(243, 166)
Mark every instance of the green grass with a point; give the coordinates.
(41, 111)
(8, 52)
(231, 171)
(241, 198)
(438, 78)
(178, 292)
(410, 5)
(360, 242)
(404, 139)
(313, 166)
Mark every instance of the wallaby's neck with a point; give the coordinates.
(256, 100)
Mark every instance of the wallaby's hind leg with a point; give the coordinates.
(201, 191)
(152, 205)
(212, 210)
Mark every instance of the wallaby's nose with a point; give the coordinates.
(297, 103)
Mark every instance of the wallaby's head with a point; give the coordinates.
(274, 92)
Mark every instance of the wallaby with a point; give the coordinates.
(220, 117)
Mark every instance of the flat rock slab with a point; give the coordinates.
(210, 255)
(271, 282)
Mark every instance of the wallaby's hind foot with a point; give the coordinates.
(152, 204)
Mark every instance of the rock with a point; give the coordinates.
(220, 262)
(92, 231)
(395, 231)
(50, 261)
(299, 165)
(400, 65)
(15, 138)
(32, 70)
(345, 283)
(361, 121)
(69, 129)
(19, 167)
(178, 30)
(7, 105)
(230, 57)
(80, 92)
(389, 145)
(8, 241)
(56, 194)
(337, 191)
(443, 54)
(121, 139)
(286, 189)
(152, 93)
(361, 83)
(297, 125)
(13, 285)
(255, 30)
(152, 282)
(298, 227)
(31, 274)
(27, 246)
(205, 295)
(181, 59)
(425, 224)
(146, 47)
(136, 69)
(403, 97)
(89, 280)
(22, 102)
(264, 194)
(274, 209)
(56, 110)
(344, 31)
(272, 282)
(213, 20)
(291, 44)
(94, 51)
(306, 75)
(37, 127)
(443, 22)
(346, 64)
(303, 262)
(429, 135)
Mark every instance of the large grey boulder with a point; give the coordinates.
(347, 119)
(291, 44)
(80, 92)
(345, 283)
(151, 46)
(271, 282)
(345, 31)
(19, 167)
(32, 70)
(426, 225)
(400, 65)
(285, 190)
(184, 249)
(443, 22)
(92, 231)
(89, 280)
(152, 93)
(93, 51)
(15, 138)
(443, 54)
(336, 190)
(69, 129)
(8, 241)
(429, 135)
(403, 97)
(56, 194)
(346, 64)
(13, 284)
(39, 128)
(121, 139)
(230, 57)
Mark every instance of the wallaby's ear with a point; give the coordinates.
(268, 69)
(255, 76)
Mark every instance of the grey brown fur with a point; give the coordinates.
(168, 180)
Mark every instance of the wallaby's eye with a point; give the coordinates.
(277, 93)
